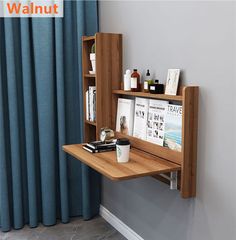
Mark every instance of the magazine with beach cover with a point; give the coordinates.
(140, 118)
(156, 121)
(173, 127)
(125, 116)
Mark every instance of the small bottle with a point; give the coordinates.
(147, 82)
(135, 81)
(127, 80)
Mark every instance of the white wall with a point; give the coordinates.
(198, 37)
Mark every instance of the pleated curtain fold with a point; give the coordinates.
(40, 110)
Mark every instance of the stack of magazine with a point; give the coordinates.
(99, 146)
(151, 120)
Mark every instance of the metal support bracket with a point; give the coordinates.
(173, 179)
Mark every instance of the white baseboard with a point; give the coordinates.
(119, 225)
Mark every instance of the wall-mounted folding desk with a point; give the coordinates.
(146, 159)
(141, 164)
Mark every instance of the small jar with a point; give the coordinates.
(156, 88)
(135, 81)
(122, 150)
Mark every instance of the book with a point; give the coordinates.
(91, 104)
(125, 116)
(91, 150)
(101, 145)
(156, 121)
(140, 118)
(94, 105)
(173, 127)
(172, 81)
(87, 105)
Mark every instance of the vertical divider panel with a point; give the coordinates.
(108, 75)
(117, 73)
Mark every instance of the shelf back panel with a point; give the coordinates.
(159, 151)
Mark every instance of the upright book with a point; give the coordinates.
(173, 127)
(87, 105)
(156, 121)
(140, 118)
(125, 116)
(91, 104)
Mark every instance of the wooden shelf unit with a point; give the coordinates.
(147, 159)
(108, 66)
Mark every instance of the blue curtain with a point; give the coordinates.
(40, 110)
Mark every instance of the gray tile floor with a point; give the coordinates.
(77, 229)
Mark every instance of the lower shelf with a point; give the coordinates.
(90, 123)
(141, 164)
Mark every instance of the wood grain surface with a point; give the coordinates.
(141, 164)
(178, 98)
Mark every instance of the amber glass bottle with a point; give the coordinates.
(135, 81)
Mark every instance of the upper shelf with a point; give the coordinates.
(89, 38)
(90, 75)
(149, 95)
(90, 123)
(141, 164)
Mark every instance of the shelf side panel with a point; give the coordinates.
(89, 130)
(86, 50)
(189, 141)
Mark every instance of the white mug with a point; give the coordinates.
(122, 150)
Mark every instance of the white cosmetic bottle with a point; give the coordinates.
(127, 80)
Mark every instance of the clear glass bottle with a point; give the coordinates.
(135, 81)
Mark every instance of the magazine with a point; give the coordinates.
(156, 121)
(173, 127)
(125, 116)
(140, 118)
